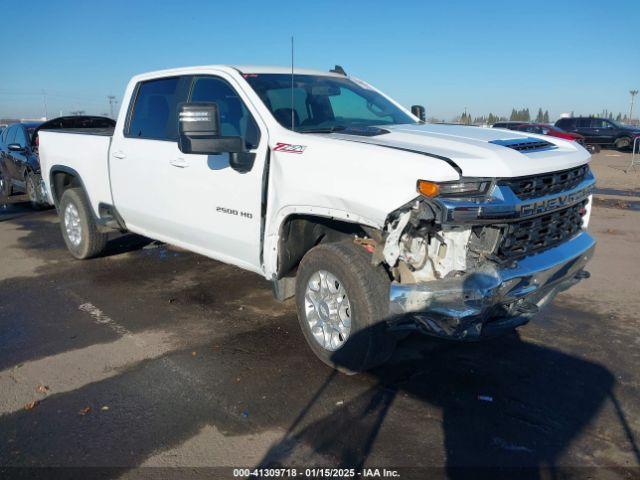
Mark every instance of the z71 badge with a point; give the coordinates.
(288, 148)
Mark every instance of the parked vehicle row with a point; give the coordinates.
(373, 221)
(544, 129)
(19, 162)
(592, 132)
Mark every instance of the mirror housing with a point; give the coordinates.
(16, 147)
(419, 111)
(199, 133)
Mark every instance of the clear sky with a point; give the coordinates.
(581, 56)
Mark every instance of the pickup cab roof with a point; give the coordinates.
(242, 69)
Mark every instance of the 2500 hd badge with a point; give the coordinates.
(231, 211)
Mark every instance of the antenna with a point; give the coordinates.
(292, 110)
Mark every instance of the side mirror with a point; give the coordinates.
(418, 111)
(16, 147)
(199, 133)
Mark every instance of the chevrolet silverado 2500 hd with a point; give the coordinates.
(373, 220)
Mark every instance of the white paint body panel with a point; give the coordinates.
(356, 179)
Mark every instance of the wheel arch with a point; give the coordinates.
(299, 232)
(61, 178)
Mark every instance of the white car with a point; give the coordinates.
(375, 222)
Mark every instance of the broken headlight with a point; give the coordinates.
(466, 187)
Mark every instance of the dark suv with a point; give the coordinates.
(600, 131)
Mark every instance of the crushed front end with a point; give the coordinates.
(472, 264)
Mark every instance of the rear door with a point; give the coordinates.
(141, 155)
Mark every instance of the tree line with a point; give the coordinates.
(523, 115)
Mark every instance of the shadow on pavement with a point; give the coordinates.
(505, 403)
(14, 208)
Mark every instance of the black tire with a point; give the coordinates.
(369, 343)
(92, 241)
(593, 148)
(34, 192)
(622, 143)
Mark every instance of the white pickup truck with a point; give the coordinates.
(376, 222)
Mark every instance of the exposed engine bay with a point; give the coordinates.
(417, 249)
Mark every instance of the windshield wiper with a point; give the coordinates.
(337, 128)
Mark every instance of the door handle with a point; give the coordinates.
(119, 155)
(179, 162)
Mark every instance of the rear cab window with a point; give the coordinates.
(154, 114)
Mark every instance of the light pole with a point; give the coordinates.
(112, 102)
(633, 96)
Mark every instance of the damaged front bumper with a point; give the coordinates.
(493, 299)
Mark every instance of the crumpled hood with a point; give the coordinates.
(471, 151)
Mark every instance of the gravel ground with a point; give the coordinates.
(154, 357)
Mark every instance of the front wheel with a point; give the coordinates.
(342, 303)
(79, 229)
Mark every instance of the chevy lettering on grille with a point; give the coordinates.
(506, 206)
(543, 206)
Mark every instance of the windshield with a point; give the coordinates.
(323, 103)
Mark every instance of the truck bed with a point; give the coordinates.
(84, 151)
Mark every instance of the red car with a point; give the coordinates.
(544, 129)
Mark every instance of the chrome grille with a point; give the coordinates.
(529, 236)
(546, 184)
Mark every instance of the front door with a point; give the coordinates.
(18, 161)
(603, 131)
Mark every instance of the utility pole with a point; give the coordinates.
(44, 102)
(633, 96)
(112, 103)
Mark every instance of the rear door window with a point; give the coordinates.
(155, 112)
(10, 135)
(584, 123)
(20, 137)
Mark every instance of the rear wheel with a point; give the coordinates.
(342, 303)
(78, 226)
(622, 143)
(33, 182)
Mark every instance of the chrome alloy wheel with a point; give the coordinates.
(72, 224)
(327, 310)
